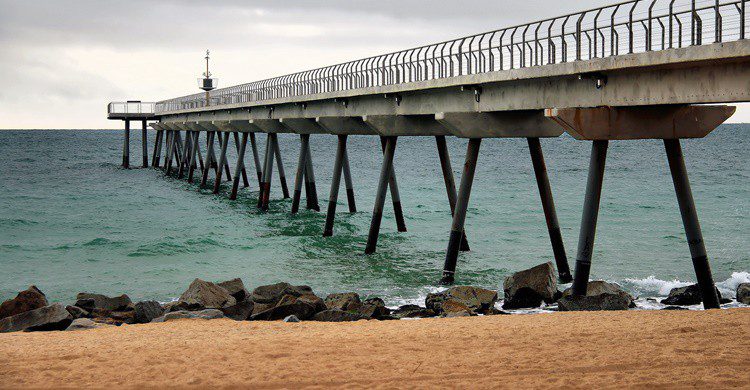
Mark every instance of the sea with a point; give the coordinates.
(73, 220)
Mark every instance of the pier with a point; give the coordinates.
(644, 69)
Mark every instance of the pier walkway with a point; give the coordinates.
(642, 69)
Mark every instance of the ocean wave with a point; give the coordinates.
(652, 286)
(16, 222)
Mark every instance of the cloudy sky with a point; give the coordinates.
(62, 61)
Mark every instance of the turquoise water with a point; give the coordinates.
(72, 220)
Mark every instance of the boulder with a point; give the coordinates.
(455, 308)
(599, 302)
(272, 293)
(83, 300)
(688, 295)
(26, 300)
(343, 301)
(78, 312)
(598, 287)
(236, 288)
(241, 311)
(52, 317)
(207, 314)
(303, 306)
(374, 301)
(743, 293)
(372, 311)
(146, 311)
(205, 295)
(292, 318)
(531, 287)
(85, 323)
(477, 300)
(335, 315)
(413, 311)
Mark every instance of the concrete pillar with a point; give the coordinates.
(241, 164)
(265, 194)
(224, 140)
(144, 144)
(385, 176)
(169, 152)
(335, 184)
(279, 162)
(459, 215)
(691, 224)
(209, 152)
(349, 185)
(126, 146)
(590, 215)
(240, 168)
(185, 155)
(178, 148)
(156, 155)
(311, 190)
(395, 195)
(450, 183)
(300, 176)
(256, 158)
(548, 205)
(193, 152)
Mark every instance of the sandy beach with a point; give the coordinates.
(605, 349)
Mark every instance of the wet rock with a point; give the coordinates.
(373, 311)
(335, 315)
(301, 310)
(118, 317)
(146, 311)
(52, 317)
(531, 287)
(240, 311)
(207, 314)
(675, 308)
(272, 293)
(292, 318)
(374, 301)
(455, 308)
(236, 288)
(30, 299)
(688, 295)
(205, 295)
(743, 293)
(413, 311)
(593, 302)
(77, 312)
(83, 300)
(477, 300)
(85, 323)
(598, 287)
(343, 301)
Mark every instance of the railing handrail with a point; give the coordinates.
(112, 107)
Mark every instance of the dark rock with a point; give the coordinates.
(477, 300)
(336, 315)
(52, 317)
(292, 318)
(146, 311)
(240, 311)
(413, 311)
(236, 288)
(77, 312)
(374, 301)
(86, 304)
(743, 293)
(455, 308)
(274, 292)
(598, 287)
(343, 301)
(302, 310)
(531, 287)
(675, 308)
(118, 317)
(27, 300)
(85, 323)
(122, 302)
(372, 311)
(207, 314)
(205, 295)
(688, 295)
(593, 303)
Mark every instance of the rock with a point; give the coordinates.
(464, 313)
(292, 318)
(118, 317)
(301, 310)
(413, 311)
(205, 295)
(675, 308)
(477, 300)
(236, 288)
(207, 314)
(743, 293)
(83, 300)
(593, 302)
(26, 300)
(688, 295)
(455, 308)
(77, 312)
(373, 311)
(531, 287)
(52, 317)
(146, 311)
(598, 287)
(335, 315)
(85, 323)
(272, 293)
(240, 311)
(375, 301)
(343, 301)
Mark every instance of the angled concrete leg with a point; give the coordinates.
(450, 183)
(245, 182)
(386, 173)
(169, 152)
(459, 215)
(200, 155)
(156, 154)
(548, 205)
(144, 144)
(224, 137)
(225, 140)
(395, 196)
(185, 156)
(256, 159)
(280, 164)
(311, 190)
(240, 166)
(126, 146)
(300, 176)
(178, 149)
(268, 172)
(335, 184)
(209, 152)
(349, 185)
(690, 221)
(590, 215)
(193, 153)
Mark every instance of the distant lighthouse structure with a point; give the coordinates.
(207, 83)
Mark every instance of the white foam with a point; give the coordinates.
(653, 285)
(729, 286)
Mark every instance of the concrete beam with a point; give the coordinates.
(345, 125)
(505, 124)
(270, 125)
(648, 122)
(398, 125)
(303, 125)
(245, 126)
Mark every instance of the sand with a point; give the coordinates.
(613, 349)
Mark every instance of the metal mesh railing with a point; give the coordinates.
(628, 27)
(131, 107)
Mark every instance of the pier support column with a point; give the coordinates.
(265, 194)
(335, 184)
(240, 169)
(193, 153)
(185, 155)
(126, 146)
(548, 205)
(300, 176)
(156, 155)
(590, 216)
(171, 152)
(209, 152)
(349, 185)
(256, 158)
(241, 163)
(395, 195)
(690, 221)
(280, 164)
(311, 190)
(450, 183)
(144, 143)
(224, 141)
(386, 173)
(459, 215)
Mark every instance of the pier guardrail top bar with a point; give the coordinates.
(623, 28)
(131, 108)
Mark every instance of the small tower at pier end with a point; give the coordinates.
(207, 83)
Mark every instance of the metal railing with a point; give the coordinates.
(628, 27)
(131, 107)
